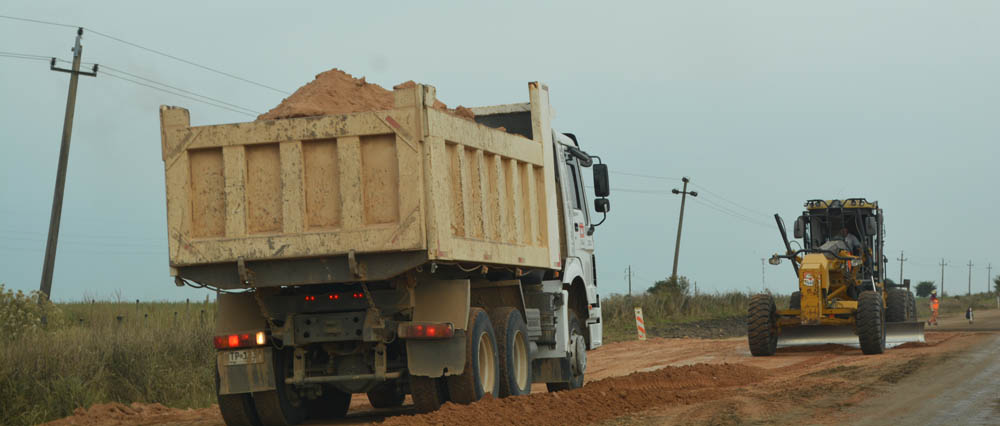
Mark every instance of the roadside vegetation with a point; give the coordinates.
(671, 308)
(101, 351)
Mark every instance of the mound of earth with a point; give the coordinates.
(337, 92)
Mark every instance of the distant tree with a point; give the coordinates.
(676, 286)
(925, 287)
(996, 284)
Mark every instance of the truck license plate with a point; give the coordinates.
(250, 356)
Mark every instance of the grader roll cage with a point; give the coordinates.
(843, 296)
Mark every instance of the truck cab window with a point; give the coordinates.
(577, 196)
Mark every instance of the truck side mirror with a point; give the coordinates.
(800, 227)
(871, 225)
(602, 205)
(601, 186)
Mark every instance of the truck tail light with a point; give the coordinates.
(428, 331)
(244, 340)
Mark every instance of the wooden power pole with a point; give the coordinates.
(57, 198)
(680, 223)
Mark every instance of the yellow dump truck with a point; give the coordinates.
(404, 251)
(842, 295)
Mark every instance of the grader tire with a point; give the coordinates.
(870, 323)
(896, 305)
(428, 393)
(762, 325)
(795, 302)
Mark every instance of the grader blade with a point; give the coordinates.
(896, 333)
(808, 335)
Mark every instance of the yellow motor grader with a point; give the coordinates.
(843, 296)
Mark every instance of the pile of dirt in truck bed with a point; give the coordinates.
(337, 92)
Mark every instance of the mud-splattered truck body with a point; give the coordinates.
(404, 251)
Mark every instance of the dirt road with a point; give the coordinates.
(700, 381)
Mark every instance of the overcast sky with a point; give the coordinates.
(762, 104)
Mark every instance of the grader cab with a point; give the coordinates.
(842, 297)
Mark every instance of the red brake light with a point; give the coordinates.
(245, 340)
(429, 331)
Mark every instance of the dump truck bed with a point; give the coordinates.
(346, 189)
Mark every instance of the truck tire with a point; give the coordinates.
(428, 393)
(795, 302)
(911, 306)
(896, 305)
(236, 409)
(280, 407)
(513, 351)
(576, 381)
(386, 395)
(762, 325)
(333, 404)
(870, 323)
(482, 364)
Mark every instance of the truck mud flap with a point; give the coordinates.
(436, 358)
(250, 370)
(551, 370)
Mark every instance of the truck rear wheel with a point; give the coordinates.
(428, 393)
(236, 409)
(897, 305)
(515, 357)
(762, 325)
(280, 407)
(482, 365)
(386, 395)
(870, 323)
(575, 338)
(795, 302)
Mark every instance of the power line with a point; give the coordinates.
(151, 50)
(645, 176)
(38, 21)
(108, 67)
(719, 196)
(110, 74)
(731, 213)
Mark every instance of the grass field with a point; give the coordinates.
(155, 352)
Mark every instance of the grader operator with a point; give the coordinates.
(843, 296)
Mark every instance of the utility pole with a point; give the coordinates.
(989, 272)
(680, 223)
(970, 278)
(629, 273)
(901, 260)
(942, 276)
(57, 198)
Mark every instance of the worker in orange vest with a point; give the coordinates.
(934, 308)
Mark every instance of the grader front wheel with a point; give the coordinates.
(871, 323)
(762, 325)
